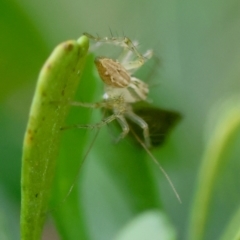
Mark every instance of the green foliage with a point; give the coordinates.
(56, 85)
(220, 137)
(118, 192)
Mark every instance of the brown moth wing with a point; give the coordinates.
(160, 123)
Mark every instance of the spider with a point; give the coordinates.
(122, 90)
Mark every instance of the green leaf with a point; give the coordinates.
(232, 231)
(149, 223)
(65, 205)
(224, 126)
(57, 84)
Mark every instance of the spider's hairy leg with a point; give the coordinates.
(96, 125)
(101, 104)
(132, 66)
(89, 105)
(117, 41)
(125, 56)
(129, 48)
(125, 128)
(124, 42)
(140, 122)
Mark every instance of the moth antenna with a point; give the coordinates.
(77, 175)
(158, 164)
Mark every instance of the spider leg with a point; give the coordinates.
(125, 128)
(96, 125)
(89, 105)
(128, 46)
(82, 104)
(125, 56)
(124, 42)
(140, 122)
(132, 66)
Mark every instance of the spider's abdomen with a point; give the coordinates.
(112, 73)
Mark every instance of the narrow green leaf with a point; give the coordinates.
(151, 224)
(57, 83)
(228, 121)
(65, 206)
(232, 231)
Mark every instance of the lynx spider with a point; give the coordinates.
(121, 88)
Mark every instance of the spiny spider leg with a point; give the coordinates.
(89, 105)
(97, 125)
(125, 128)
(125, 56)
(122, 89)
(140, 122)
(126, 43)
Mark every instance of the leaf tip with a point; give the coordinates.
(83, 41)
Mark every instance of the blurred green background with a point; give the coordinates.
(199, 47)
